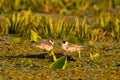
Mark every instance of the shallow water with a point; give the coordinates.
(22, 58)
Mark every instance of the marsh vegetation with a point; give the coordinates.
(92, 23)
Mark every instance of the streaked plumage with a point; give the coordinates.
(48, 46)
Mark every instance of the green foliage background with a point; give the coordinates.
(77, 21)
(93, 20)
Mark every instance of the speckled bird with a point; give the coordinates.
(70, 47)
(47, 46)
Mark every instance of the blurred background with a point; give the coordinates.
(74, 7)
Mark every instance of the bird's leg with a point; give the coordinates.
(79, 54)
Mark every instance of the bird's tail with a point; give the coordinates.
(80, 47)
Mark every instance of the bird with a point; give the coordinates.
(47, 46)
(70, 47)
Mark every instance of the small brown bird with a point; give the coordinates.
(47, 46)
(70, 47)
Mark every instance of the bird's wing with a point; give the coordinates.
(39, 46)
(80, 47)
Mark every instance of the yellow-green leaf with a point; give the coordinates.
(34, 36)
(53, 55)
(60, 63)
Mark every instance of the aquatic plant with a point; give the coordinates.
(53, 55)
(60, 63)
(94, 21)
(16, 24)
(4, 27)
(33, 36)
(106, 27)
(21, 24)
(92, 56)
(58, 6)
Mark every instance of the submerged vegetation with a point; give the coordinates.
(93, 23)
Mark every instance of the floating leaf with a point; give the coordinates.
(15, 40)
(60, 63)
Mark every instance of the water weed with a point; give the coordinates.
(94, 24)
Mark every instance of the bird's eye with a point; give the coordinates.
(51, 40)
(64, 41)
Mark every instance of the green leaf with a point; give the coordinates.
(94, 55)
(53, 55)
(91, 56)
(60, 63)
(34, 36)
